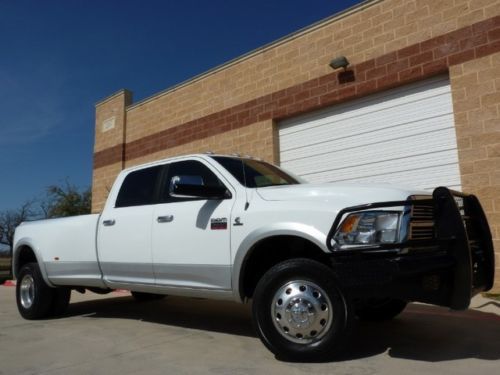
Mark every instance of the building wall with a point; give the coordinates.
(389, 43)
(476, 103)
(110, 142)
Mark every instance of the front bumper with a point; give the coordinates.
(447, 269)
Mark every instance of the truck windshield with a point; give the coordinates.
(255, 174)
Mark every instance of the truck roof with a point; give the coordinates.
(205, 155)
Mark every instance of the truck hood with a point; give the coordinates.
(335, 192)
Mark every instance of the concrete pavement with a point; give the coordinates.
(113, 334)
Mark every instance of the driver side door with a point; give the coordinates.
(191, 236)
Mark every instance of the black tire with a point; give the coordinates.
(141, 297)
(42, 295)
(379, 310)
(60, 301)
(273, 331)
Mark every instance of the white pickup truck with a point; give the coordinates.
(310, 257)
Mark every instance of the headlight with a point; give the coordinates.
(367, 228)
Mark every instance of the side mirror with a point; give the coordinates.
(192, 187)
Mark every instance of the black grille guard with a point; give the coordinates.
(464, 235)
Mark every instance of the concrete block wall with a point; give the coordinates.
(110, 140)
(476, 94)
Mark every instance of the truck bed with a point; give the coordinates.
(68, 248)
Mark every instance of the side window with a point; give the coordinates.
(190, 170)
(139, 188)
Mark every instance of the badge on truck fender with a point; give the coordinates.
(218, 223)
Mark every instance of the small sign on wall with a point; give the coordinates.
(108, 124)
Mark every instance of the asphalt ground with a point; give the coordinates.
(113, 334)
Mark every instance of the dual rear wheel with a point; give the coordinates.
(35, 299)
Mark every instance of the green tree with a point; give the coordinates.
(10, 219)
(66, 200)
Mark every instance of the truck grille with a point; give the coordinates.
(421, 231)
(421, 221)
(422, 213)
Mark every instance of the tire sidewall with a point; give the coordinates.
(281, 274)
(43, 294)
(60, 301)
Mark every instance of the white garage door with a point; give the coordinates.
(404, 136)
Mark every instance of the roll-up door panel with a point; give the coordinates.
(402, 136)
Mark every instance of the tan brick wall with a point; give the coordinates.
(101, 185)
(103, 177)
(476, 101)
(378, 29)
(255, 140)
(114, 106)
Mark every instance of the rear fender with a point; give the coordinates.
(27, 242)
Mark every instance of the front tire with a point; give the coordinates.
(34, 297)
(299, 311)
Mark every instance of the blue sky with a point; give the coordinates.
(58, 58)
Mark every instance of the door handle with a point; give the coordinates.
(165, 219)
(108, 223)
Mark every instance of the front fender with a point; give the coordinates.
(28, 242)
(278, 229)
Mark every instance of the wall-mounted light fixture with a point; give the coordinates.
(339, 62)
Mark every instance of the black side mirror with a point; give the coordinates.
(192, 187)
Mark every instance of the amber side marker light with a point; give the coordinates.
(349, 224)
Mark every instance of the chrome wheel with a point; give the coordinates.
(27, 291)
(301, 311)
